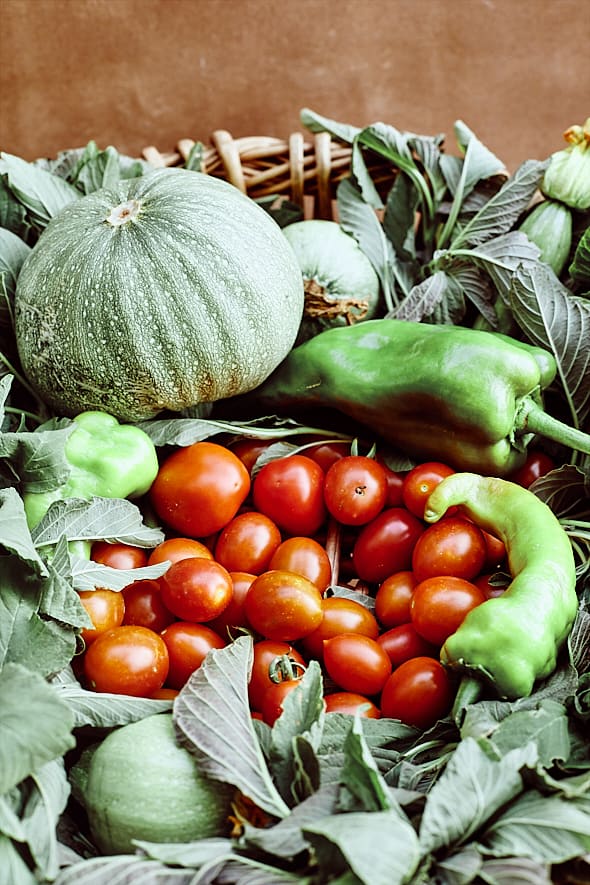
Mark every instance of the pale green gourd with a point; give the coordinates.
(163, 292)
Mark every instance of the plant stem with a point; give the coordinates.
(532, 418)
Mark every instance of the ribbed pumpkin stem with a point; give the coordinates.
(124, 213)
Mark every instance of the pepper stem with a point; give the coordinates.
(469, 691)
(531, 418)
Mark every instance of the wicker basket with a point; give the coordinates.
(306, 170)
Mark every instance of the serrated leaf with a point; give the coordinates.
(472, 787)
(545, 828)
(580, 266)
(125, 869)
(499, 258)
(185, 431)
(552, 318)
(422, 299)
(33, 733)
(110, 519)
(37, 459)
(89, 575)
(500, 213)
(566, 491)
(212, 713)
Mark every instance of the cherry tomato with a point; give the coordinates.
(121, 556)
(282, 605)
(144, 606)
(188, 644)
(127, 660)
(395, 484)
(196, 589)
(351, 703)
(420, 481)
(275, 694)
(340, 615)
(249, 450)
(173, 549)
(327, 453)
(356, 663)
(165, 694)
(355, 489)
(403, 642)
(199, 488)
(440, 604)
(495, 551)
(452, 546)
(491, 585)
(247, 543)
(105, 608)
(233, 617)
(393, 598)
(537, 464)
(385, 544)
(290, 491)
(304, 556)
(419, 693)
(264, 652)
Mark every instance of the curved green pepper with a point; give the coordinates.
(460, 395)
(107, 459)
(512, 640)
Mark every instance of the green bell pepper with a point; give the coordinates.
(512, 640)
(107, 459)
(467, 397)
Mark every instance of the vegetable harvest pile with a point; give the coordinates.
(295, 521)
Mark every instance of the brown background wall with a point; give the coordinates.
(137, 72)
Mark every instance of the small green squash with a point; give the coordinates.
(549, 226)
(140, 783)
(166, 291)
(340, 283)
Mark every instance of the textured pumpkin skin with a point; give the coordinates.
(143, 785)
(196, 298)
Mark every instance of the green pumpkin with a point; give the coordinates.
(140, 783)
(166, 291)
(340, 283)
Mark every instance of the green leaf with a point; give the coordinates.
(42, 194)
(501, 211)
(545, 726)
(33, 733)
(423, 298)
(37, 459)
(554, 319)
(360, 774)
(316, 123)
(110, 519)
(89, 575)
(379, 847)
(45, 804)
(101, 709)
(185, 431)
(13, 251)
(498, 257)
(545, 828)
(13, 866)
(473, 786)
(14, 531)
(213, 715)
(580, 266)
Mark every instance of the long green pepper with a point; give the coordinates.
(512, 640)
(465, 396)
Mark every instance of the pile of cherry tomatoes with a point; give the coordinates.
(322, 554)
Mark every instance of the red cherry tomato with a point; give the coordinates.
(385, 544)
(491, 585)
(144, 606)
(105, 608)
(452, 546)
(247, 543)
(127, 660)
(419, 693)
(121, 556)
(303, 556)
(420, 481)
(188, 644)
(290, 491)
(403, 642)
(275, 694)
(284, 606)
(327, 453)
(537, 464)
(340, 615)
(173, 549)
(350, 703)
(356, 663)
(440, 604)
(264, 653)
(395, 484)
(393, 598)
(199, 488)
(233, 617)
(495, 551)
(196, 589)
(249, 450)
(355, 489)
